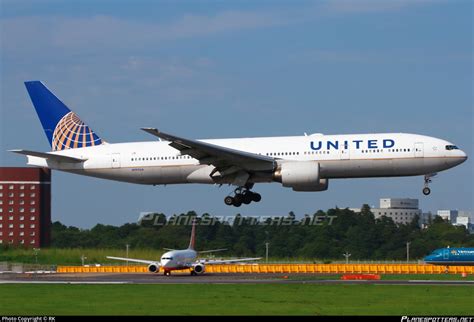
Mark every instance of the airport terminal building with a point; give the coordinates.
(401, 210)
(25, 206)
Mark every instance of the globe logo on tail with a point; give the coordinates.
(71, 133)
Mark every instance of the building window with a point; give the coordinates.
(22, 202)
(32, 202)
(10, 226)
(1, 202)
(10, 217)
(10, 209)
(22, 233)
(1, 186)
(22, 187)
(22, 194)
(10, 233)
(32, 209)
(32, 241)
(10, 187)
(33, 187)
(22, 226)
(32, 234)
(1, 194)
(22, 217)
(1, 225)
(32, 218)
(32, 226)
(1, 217)
(32, 195)
(22, 241)
(1, 241)
(1, 233)
(11, 194)
(1, 209)
(11, 202)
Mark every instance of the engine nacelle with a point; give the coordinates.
(300, 176)
(153, 268)
(199, 269)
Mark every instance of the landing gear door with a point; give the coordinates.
(115, 160)
(419, 151)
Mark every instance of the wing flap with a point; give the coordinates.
(218, 156)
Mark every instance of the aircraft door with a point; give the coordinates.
(418, 148)
(115, 160)
(445, 253)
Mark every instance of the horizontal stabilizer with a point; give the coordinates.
(50, 156)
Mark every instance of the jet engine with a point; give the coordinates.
(153, 268)
(300, 176)
(199, 269)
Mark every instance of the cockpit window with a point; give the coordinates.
(451, 147)
(167, 258)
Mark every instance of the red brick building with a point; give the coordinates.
(25, 206)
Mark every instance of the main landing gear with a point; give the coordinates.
(426, 189)
(243, 195)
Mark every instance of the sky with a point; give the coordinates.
(220, 69)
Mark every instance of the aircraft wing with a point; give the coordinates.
(50, 156)
(226, 160)
(227, 261)
(211, 250)
(143, 261)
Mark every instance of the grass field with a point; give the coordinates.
(405, 277)
(258, 299)
(72, 256)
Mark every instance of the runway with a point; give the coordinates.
(145, 278)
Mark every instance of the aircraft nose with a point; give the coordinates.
(428, 258)
(462, 156)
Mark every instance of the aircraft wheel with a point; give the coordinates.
(256, 197)
(229, 201)
(238, 200)
(247, 198)
(426, 191)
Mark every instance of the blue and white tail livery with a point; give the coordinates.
(63, 128)
(303, 163)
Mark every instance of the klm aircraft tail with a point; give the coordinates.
(63, 128)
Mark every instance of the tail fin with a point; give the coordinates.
(193, 235)
(63, 128)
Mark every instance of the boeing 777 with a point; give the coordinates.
(184, 259)
(303, 163)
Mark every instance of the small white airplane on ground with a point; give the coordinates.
(184, 259)
(303, 163)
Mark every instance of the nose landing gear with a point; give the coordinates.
(426, 189)
(242, 195)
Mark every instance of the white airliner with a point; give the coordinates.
(184, 259)
(303, 163)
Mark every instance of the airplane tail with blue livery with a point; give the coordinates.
(63, 128)
(302, 163)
